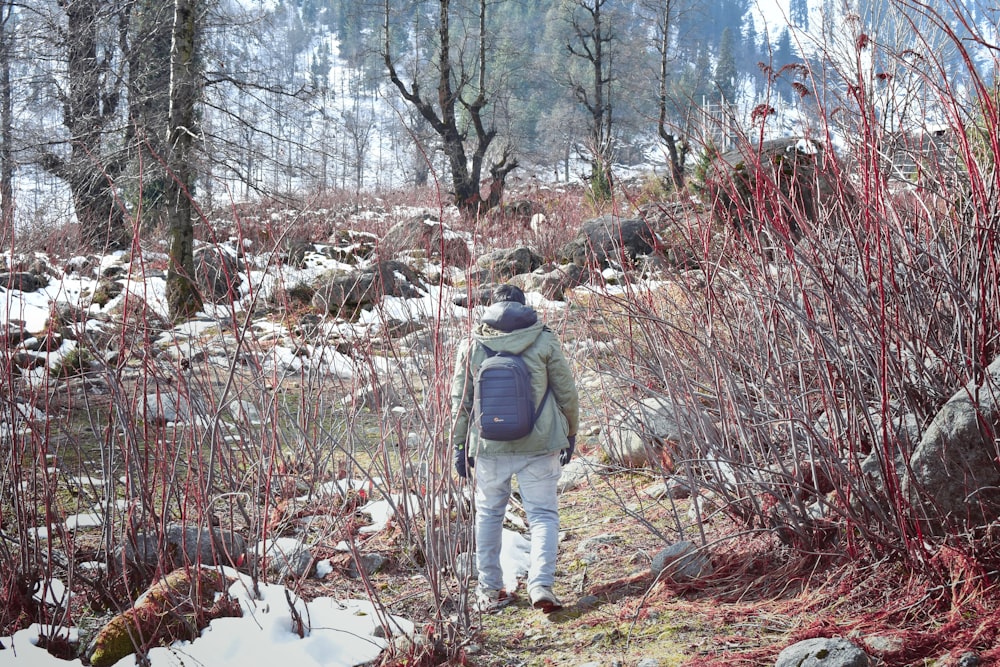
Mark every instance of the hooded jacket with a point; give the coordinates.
(512, 327)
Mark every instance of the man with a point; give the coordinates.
(509, 326)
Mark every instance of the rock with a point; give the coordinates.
(502, 265)
(681, 562)
(296, 250)
(823, 652)
(163, 407)
(969, 659)
(245, 411)
(610, 241)
(598, 541)
(186, 545)
(552, 282)
(674, 487)
(216, 271)
(22, 281)
(576, 473)
(430, 235)
(176, 607)
(345, 292)
(954, 477)
(655, 432)
(367, 563)
(350, 246)
(286, 557)
(12, 334)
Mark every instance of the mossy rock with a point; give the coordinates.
(176, 607)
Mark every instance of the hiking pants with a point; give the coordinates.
(537, 479)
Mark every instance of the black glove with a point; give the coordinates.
(463, 463)
(566, 454)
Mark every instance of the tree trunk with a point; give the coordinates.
(183, 297)
(453, 92)
(6, 122)
(88, 106)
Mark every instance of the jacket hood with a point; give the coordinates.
(509, 316)
(513, 342)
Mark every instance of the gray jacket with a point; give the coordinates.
(512, 327)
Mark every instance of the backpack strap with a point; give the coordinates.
(545, 396)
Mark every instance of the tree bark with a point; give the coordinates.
(183, 297)
(454, 91)
(90, 100)
(6, 121)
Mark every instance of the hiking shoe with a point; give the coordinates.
(543, 598)
(489, 600)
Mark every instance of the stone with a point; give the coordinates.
(681, 562)
(610, 241)
(186, 545)
(217, 273)
(285, 557)
(823, 652)
(655, 431)
(501, 265)
(954, 477)
(163, 407)
(427, 233)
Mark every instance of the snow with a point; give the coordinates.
(339, 632)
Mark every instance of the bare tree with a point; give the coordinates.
(183, 297)
(593, 36)
(677, 148)
(461, 104)
(6, 119)
(149, 90)
(93, 34)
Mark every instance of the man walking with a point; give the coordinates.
(510, 327)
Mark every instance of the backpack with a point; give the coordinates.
(504, 403)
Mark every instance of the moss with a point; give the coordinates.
(176, 607)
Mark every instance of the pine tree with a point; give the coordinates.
(798, 11)
(725, 69)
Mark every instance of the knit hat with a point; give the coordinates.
(507, 292)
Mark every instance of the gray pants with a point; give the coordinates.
(537, 479)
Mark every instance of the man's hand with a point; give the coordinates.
(566, 454)
(463, 463)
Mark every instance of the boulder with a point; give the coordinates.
(429, 235)
(286, 557)
(216, 271)
(610, 241)
(349, 246)
(823, 652)
(162, 408)
(552, 281)
(681, 562)
(655, 431)
(501, 265)
(22, 281)
(186, 545)
(345, 292)
(954, 477)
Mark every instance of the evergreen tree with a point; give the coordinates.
(725, 69)
(798, 11)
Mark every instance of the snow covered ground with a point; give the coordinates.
(340, 632)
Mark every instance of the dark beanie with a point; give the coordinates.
(507, 292)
